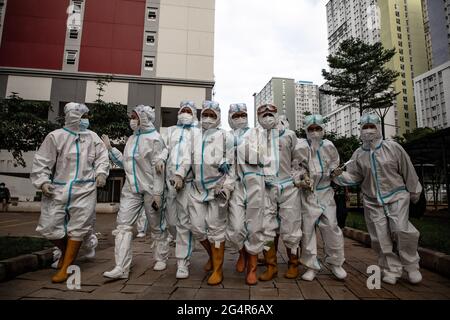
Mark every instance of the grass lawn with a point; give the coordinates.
(14, 246)
(434, 231)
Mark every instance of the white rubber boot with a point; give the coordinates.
(309, 275)
(122, 254)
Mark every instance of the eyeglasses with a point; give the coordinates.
(267, 107)
(210, 105)
(187, 103)
(370, 118)
(313, 119)
(239, 114)
(236, 107)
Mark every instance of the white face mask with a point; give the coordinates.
(268, 122)
(315, 135)
(239, 123)
(208, 122)
(369, 135)
(134, 124)
(185, 118)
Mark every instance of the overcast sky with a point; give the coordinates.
(256, 40)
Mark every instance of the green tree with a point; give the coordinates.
(23, 125)
(359, 77)
(109, 118)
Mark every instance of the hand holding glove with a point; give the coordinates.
(177, 182)
(156, 204)
(106, 141)
(337, 172)
(100, 180)
(223, 193)
(47, 189)
(159, 167)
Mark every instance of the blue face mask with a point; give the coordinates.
(84, 124)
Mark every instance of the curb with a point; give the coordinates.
(35, 207)
(429, 259)
(12, 267)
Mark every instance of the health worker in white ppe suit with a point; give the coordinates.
(68, 167)
(318, 206)
(388, 182)
(246, 207)
(211, 188)
(282, 212)
(143, 188)
(179, 142)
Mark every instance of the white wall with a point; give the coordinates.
(186, 40)
(114, 92)
(30, 88)
(171, 96)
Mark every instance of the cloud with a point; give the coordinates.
(256, 40)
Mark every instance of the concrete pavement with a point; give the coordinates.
(144, 283)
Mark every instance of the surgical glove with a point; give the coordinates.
(337, 172)
(156, 202)
(159, 167)
(47, 189)
(100, 180)
(415, 197)
(106, 141)
(223, 193)
(177, 182)
(303, 184)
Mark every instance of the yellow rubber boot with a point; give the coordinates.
(217, 260)
(207, 245)
(69, 257)
(240, 264)
(252, 263)
(271, 264)
(292, 272)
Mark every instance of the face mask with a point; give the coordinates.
(268, 122)
(315, 135)
(208, 122)
(185, 118)
(368, 135)
(239, 123)
(134, 124)
(84, 124)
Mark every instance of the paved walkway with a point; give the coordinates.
(144, 283)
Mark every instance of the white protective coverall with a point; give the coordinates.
(143, 185)
(388, 181)
(283, 214)
(246, 206)
(70, 160)
(179, 141)
(321, 157)
(212, 159)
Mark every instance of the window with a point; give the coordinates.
(149, 63)
(73, 33)
(71, 56)
(150, 38)
(77, 6)
(151, 14)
